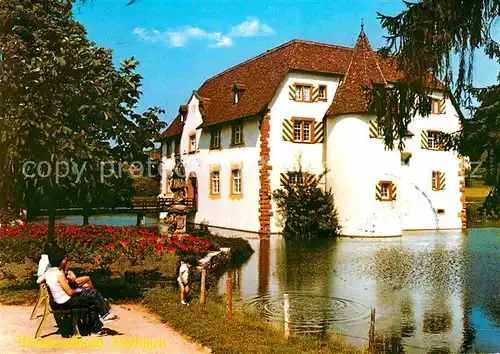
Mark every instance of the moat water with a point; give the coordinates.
(433, 291)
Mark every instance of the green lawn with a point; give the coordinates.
(244, 333)
(477, 192)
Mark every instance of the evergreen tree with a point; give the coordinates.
(422, 40)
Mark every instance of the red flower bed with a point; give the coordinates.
(102, 242)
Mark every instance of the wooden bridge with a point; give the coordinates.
(140, 208)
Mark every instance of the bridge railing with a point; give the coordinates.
(164, 203)
(159, 205)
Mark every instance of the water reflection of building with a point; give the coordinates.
(415, 284)
(264, 268)
(429, 289)
(304, 271)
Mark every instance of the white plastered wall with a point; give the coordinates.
(285, 155)
(357, 163)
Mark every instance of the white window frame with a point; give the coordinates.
(296, 178)
(215, 182)
(300, 95)
(380, 130)
(433, 140)
(309, 136)
(236, 181)
(435, 180)
(435, 103)
(192, 143)
(299, 124)
(215, 136)
(297, 131)
(238, 134)
(385, 196)
(323, 88)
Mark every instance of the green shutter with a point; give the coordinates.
(394, 191)
(442, 106)
(319, 132)
(310, 178)
(378, 192)
(373, 128)
(442, 181)
(424, 140)
(287, 130)
(291, 92)
(284, 179)
(315, 94)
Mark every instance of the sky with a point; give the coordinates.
(180, 44)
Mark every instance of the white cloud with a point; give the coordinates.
(224, 42)
(140, 32)
(179, 37)
(252, 27)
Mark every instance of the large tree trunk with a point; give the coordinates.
(52, 220)
(86, 216)
(86, 209)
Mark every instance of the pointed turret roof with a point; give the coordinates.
(364, 68)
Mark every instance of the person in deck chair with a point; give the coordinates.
(75, 282)
(67, 298)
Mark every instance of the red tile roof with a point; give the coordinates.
(262, 75)
(364, 69)
(174, 129)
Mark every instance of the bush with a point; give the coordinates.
(146, 186)
(492, 204)
(308, 211)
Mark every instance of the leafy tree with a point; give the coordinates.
(63, 100)
(308, 211)
(422, 40)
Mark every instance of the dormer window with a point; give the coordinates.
(303, 92)
(435, 106)
(183, 113)
(322, 95)
(192, 143)
(238, 90)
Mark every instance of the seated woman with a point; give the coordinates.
(75, 282)
(67, 298)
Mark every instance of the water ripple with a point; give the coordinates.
(309, 313)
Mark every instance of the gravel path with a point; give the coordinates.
(137, 331)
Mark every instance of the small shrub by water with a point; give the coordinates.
(307, 210)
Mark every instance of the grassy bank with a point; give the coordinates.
(475, 196)
(153, 284)
(244, 333)
(477, 191)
